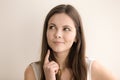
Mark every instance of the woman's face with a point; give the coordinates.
(61, 33)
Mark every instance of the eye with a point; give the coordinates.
(67, 29)
(51, 27)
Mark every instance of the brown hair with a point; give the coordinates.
(76, 57)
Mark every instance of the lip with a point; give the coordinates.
(58, 42)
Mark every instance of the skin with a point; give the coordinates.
(50, 68)
(61, 34)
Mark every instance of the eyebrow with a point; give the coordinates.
(67, 26)
(63, 25)
(51, 24)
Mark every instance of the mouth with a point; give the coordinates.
(58, 42)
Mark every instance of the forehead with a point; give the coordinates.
(61, 19)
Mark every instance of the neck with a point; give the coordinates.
(61, 59)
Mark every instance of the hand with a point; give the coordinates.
(50, 68)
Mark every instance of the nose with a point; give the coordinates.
(58, 34)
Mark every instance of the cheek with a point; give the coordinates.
(49, 36)
(70, 38)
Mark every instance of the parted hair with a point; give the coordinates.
(76, 58)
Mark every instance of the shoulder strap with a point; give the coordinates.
(89, 65)
(36, 69)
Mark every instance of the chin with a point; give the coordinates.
(57, 50)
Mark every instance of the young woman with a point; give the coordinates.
(63, 50)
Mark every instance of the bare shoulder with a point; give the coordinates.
(29, 73)
(99, 72)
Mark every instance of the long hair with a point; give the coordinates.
(76, 57)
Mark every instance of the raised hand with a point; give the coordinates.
(50, 68)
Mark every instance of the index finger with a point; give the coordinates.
(47, 57)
